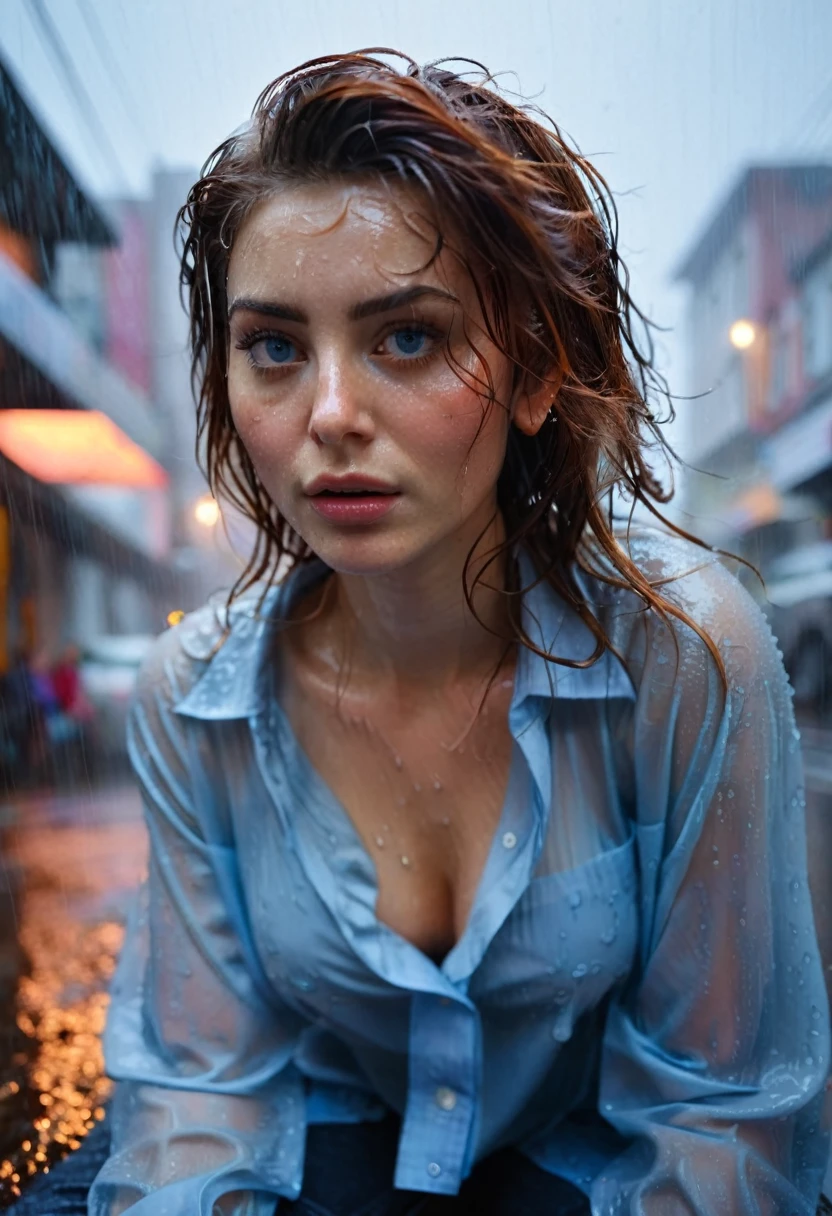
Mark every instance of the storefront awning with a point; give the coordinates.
(802, 449)
(41, 332)
(76, 447)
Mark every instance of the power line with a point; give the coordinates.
(105, 54)
(52, 38)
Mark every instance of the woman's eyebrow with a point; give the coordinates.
(396, 299)
(366, 308)
(283, 312)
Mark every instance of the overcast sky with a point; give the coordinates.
(670, 97)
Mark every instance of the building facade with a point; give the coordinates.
(759, 340)
(84, 498)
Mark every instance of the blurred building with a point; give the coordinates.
(85, 539)
(202, 550)
(105, 522)
(760, 350)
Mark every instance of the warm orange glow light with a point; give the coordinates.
(207, 511)
(76, 447)
(173, 618)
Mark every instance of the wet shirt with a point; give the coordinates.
(636, 1002)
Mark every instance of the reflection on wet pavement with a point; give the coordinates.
(74, 861)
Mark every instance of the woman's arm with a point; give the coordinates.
(715, 1058)
(208, 1108)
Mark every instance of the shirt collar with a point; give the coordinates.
(231, 685)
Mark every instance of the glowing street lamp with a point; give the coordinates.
(206, 511)
(742, 335)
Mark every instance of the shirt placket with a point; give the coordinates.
(439, 1128)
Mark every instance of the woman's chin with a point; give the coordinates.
(368, 554)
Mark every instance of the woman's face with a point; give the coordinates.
(338, 365)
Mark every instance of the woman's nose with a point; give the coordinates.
(339, 407)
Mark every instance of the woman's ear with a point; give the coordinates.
(533, 401)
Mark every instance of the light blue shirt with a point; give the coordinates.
(636, 1003)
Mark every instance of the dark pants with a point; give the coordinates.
(348, 1172)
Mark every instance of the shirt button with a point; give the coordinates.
(445, 1098)
(509, 840)
(434, 1170)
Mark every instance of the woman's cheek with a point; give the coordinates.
(466, 435)
(264, 435)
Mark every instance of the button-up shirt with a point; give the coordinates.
(636, 1002)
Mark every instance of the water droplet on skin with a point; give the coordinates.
(398, 761)
(380, 841)
(446, 823)
(405, 861)
(437, 785)
(417, 787)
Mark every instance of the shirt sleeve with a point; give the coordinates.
(207, 1116)
(715, 1055)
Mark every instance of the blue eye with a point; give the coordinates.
(409, 341)
(278, 350)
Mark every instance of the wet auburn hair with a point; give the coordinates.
(540, 229)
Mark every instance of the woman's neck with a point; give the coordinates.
(411, 630)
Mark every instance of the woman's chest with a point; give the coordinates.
(557, 942)
(424, 802)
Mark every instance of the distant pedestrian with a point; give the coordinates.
(69, 687)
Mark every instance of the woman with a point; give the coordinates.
(478, 876)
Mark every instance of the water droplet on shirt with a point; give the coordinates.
(575, 900)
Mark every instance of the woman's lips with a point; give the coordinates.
(353, 508)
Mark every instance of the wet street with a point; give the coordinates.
(68, 865)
